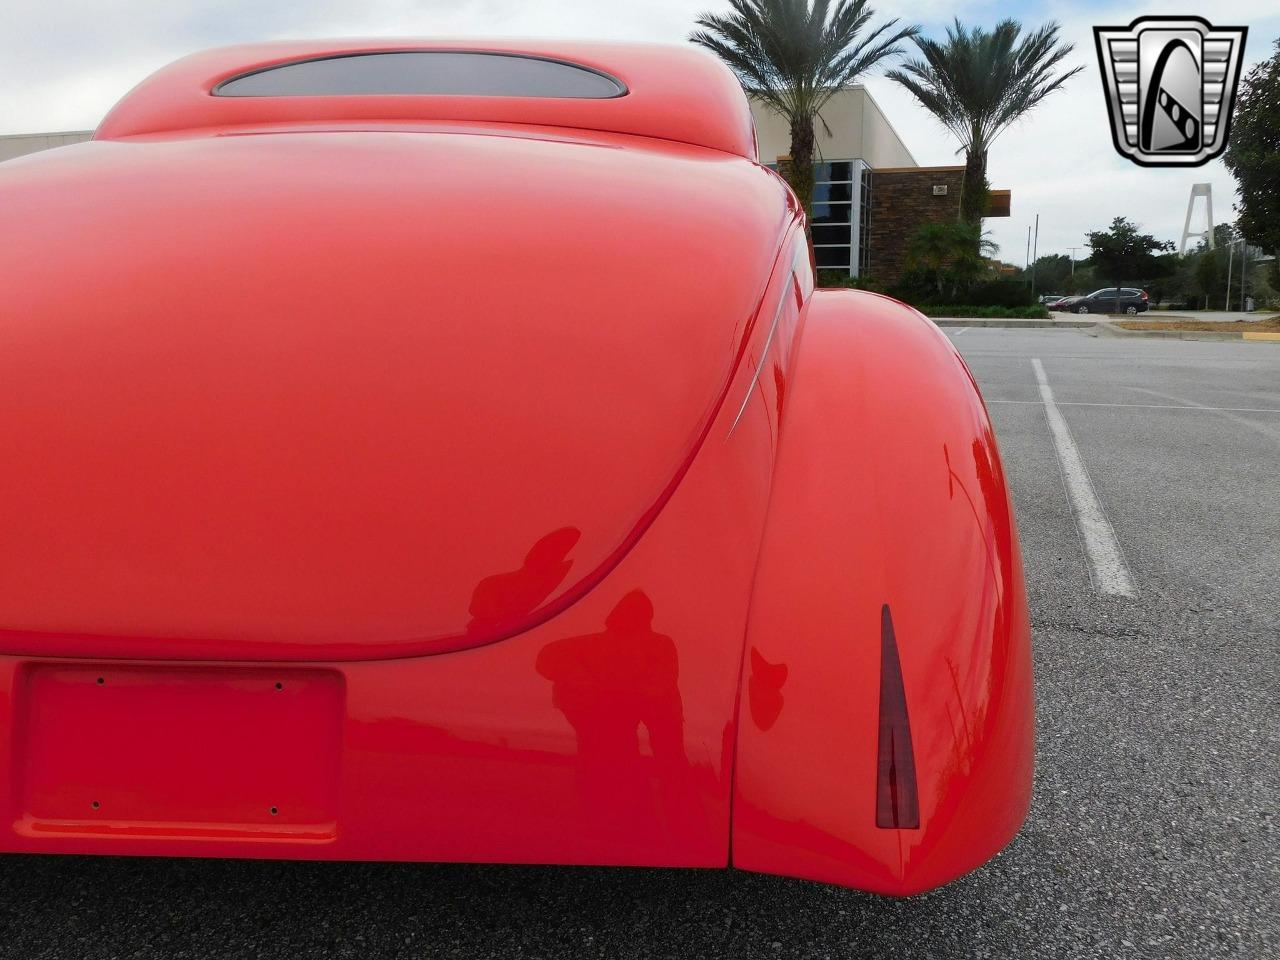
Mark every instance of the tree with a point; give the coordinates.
(1226, 275)
(1198, 275)
(1262, 285)
(928, 252)
(1207, 275)
(1084, 280)
(1052, 272)
(795, 55)
(949, 255)
(1164, 278)
(1121, 253)
(1253, 154)
(978, 83)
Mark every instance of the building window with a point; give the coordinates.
(835, 202)
(833, 198)
(455, 73)
(838, 170)
(864, 224)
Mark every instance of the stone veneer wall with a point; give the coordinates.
(901, 202)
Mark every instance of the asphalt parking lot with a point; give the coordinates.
(1153, 828)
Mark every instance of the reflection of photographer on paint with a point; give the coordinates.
(608, 685)
(502, 601)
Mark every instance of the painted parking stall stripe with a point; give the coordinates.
(1194, 408)
(1106, 559)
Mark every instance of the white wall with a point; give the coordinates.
(855, 129)
(15, 145)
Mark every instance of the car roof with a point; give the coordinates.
(670, 92)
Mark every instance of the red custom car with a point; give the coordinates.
(439, 451)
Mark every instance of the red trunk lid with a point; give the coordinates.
(348, 394)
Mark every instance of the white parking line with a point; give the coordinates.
(1149, 406)
(1227, 413)
(960, 331)
(1110, 574)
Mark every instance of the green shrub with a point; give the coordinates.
(1000, 293)
(916, 286)
(841, 279)
(983, 312)
(985, 293)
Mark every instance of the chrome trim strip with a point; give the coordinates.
(768, 342)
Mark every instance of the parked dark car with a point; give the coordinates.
(1057, 302)
(1131, 300)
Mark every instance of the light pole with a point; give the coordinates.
(1035, 248)
(1231, 252)
(1244, 267)
(1073, 259)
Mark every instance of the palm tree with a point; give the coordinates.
(952, 252)
(978, 83)
(795, 55)
(930, 250)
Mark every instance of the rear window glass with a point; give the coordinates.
(423, 72)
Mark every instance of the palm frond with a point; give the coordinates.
(796, 54)
(977, 83)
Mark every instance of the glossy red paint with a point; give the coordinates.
(306, 432)
(604, 735)
(464, 423)
(673, 93)
(912, 512)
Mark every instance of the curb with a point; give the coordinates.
(1011, 324)
(1108, 329)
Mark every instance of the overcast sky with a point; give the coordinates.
(64, 62)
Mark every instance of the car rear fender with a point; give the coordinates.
(887, 670)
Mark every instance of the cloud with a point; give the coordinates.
(63, 63)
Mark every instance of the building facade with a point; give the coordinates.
(18, 144)
(870, 195)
